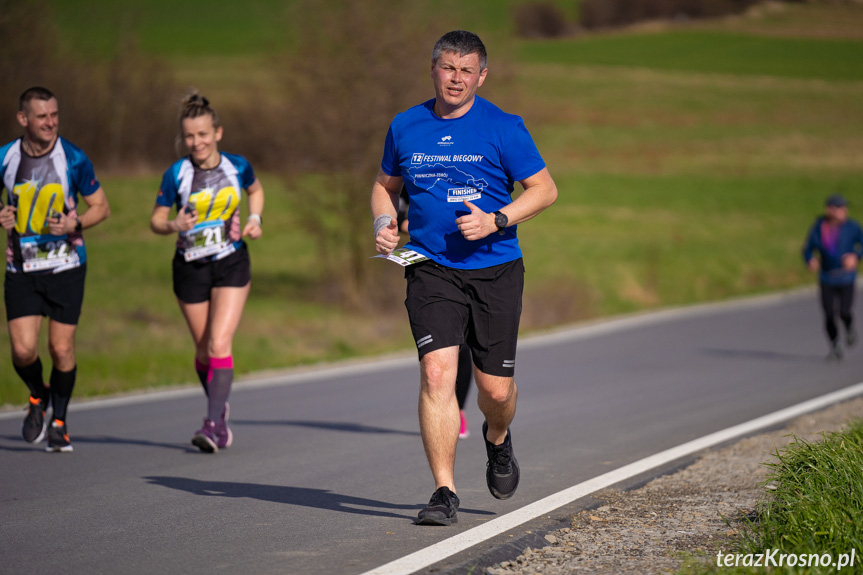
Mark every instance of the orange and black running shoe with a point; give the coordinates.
(58, 437)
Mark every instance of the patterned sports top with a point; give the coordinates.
(41, 188)
(215, 194)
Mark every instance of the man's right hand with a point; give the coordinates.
(7, 217)
(387, 238)
(814, 264)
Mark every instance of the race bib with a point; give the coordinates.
(404, 257)
(205, 239)
(47, 252)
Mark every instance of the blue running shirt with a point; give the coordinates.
(39, 187)
(477, 157)
(215, 194)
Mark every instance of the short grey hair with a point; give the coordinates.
(462, 43)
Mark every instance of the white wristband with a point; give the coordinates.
(257, 219)
(381, 222)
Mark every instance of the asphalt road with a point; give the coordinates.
(327, 470)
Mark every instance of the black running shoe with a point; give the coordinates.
(501, 472)
(34, 427)
(58, 438)
(441, 510)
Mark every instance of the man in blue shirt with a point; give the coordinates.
(46, 261)
(459, 157)
(839, 243)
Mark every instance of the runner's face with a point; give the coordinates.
(202, 140)
(456, 79)
(40, 120)
(837, 214)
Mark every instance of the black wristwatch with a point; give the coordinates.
(78, 226)
(500, 220)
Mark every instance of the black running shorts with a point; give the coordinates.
(482, 308)
(57, 296)
(194, 280)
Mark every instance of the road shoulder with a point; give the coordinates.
(692, 512)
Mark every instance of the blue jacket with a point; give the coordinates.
(850, 241)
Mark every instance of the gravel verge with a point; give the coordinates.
(694, 512)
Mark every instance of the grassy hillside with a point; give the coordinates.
(690, 162)
(708, 52)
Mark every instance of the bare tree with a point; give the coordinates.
(118, 110)
(355, 66)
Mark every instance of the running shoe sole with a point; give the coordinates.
(204, 443)
(440, 521)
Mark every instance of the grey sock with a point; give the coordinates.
(219, 390)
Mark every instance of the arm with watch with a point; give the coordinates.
(97, 210)
(539, 193)
(253, 229)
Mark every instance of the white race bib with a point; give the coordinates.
(47, 252)
(404, 257)
(205, 239)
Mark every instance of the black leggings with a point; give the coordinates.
(829, 296)
(463, 377)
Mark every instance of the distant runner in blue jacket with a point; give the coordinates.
(839, 243)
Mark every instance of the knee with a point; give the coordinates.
(23, 355)
(501, 391)
(62, 354)
(219, 347)
(437, 378)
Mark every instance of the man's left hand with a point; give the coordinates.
(477, 224)
(849, 262)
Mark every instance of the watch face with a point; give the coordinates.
(500, 220)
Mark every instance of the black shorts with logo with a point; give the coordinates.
(482, 308)
(194, 280)
(57, 296)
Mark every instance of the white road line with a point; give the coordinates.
(302, 375)
(449, 547)
(605, 326)
(294, 376)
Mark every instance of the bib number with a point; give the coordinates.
(205, 240)
(404, 257)
(46, 252)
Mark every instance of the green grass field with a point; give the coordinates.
(690, 163)
(708, 52)
(810, 515)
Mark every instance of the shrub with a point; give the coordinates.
(345, 82)
(539, 20)
(121, 112)
(606, 13)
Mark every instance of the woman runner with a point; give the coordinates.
(211, 267)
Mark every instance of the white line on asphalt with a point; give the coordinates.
(605, 326)
(449, 547)
(310, 374)
(293, 377)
